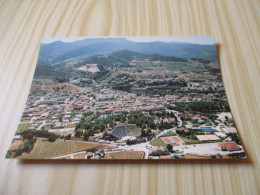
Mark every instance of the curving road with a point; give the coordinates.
(179, 121)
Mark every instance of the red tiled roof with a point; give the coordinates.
(38, 113)
(85, 100)
(45, 114)
(165, 157)
(229, 145)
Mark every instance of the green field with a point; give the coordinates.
(38, 92)
(23, 127)
(190, 141)
(170, 133)
(44, 81)
(157, 142)
(184, 67)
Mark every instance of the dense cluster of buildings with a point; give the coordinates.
(60, 110)
(66, 108)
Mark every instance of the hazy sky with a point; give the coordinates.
(205, 40)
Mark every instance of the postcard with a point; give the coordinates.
(127, 98)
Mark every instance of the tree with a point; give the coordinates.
(102, 126)
(68, 137)
(77, 133)
(143, 134)
(60, 119)
(86, 136)
(27, 146)
(169, 147)
(148, 132)
(234, 137)
(52, 139)
(105, 134)
(86, 126)
(111, 124)
(18, 152)
(153, 126)
(123, 119)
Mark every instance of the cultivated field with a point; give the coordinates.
(47, 150)
(194, 156)
(125, 155)
(79, 156)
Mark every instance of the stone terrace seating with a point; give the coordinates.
(126, 130)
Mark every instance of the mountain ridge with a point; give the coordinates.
(58, 51)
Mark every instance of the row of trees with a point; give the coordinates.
(162, 114)
(30, 137)
(202, 106)
(141, 120)
(27, 146)
(92, 123)
(234, 137)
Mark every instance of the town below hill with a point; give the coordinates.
(125, 105)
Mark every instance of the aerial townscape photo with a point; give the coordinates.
(127, 98)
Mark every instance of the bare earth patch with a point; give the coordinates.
(15, 144)
(89, 68)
